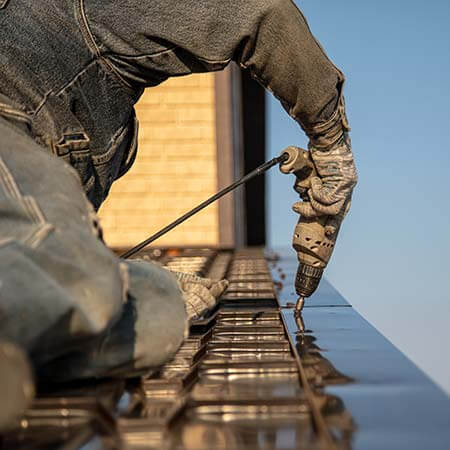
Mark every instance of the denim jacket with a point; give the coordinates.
(72, 70)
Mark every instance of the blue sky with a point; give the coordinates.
(391, 261)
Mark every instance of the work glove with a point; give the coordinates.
(200, 294)
(331, 191)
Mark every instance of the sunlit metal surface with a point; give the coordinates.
(392, 403)
(253, 375)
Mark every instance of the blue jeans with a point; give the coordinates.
(70, 74)
(63, 293)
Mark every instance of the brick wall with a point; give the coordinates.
(175, 168)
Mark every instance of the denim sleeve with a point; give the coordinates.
(149, 41)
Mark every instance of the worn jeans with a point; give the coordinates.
(62, 291)
(70, 74)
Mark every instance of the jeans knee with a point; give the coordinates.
(160, 314)
(102, 297)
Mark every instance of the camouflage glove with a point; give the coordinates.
(331, 191)
(200, 294)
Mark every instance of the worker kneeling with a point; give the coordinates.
(68, 129)
(75, 307)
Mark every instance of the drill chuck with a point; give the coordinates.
(307, 279)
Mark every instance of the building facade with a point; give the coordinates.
(195, 137)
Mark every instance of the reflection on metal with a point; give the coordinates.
(300, 304)
(253, 374)
(300, 324)
(317, 368)
(392, 404)
(71, 418)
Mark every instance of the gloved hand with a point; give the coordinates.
(200, 294)
(331, 191)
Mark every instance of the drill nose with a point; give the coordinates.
(307, 279)
(294, 160)
(283, 158)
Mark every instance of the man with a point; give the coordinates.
(72, 71)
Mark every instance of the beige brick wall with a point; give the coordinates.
(175, 168)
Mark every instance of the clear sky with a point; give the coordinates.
(391, 261)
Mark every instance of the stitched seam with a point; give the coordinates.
(8, 183)
(91, 43)
(33, 209)
(86, 31)
(134, 142)
(89, 184)
(146, 55)
(39, 235)
(6, 241)
(14, 113)
(29, 205)
(66, 85)
(214, 61)
(125, 167)
(172, 50)
(106, 157)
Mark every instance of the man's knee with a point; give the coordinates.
(100, 298)
(161, 316)
(148, 333)
(51, 302)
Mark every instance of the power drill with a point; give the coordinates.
(314, 239)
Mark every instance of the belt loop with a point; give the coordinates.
(76, 142)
